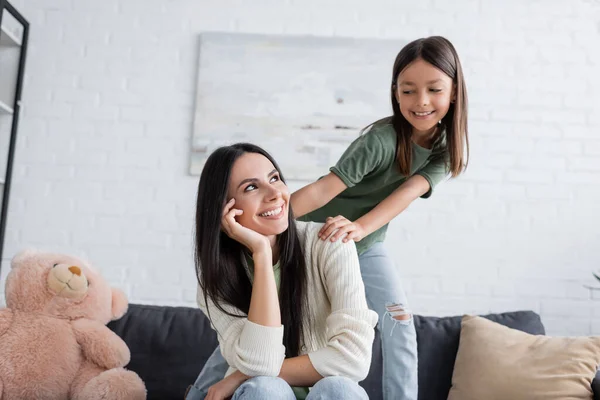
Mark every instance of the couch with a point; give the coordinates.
(169, 346)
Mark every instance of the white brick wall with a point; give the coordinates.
(102, 156)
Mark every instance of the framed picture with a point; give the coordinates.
(302, 98)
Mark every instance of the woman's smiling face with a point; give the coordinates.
(259, 192)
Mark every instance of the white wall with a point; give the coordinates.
(102, 157)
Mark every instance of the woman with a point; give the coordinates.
(289, 309)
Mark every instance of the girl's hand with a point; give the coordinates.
(353, 230)
(254, 241)
(225, 388)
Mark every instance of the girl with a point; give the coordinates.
(397, 160)
(289, 309)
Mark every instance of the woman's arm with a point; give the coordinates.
(252, 344)
(299, 371)
(296, 371)
(413, 188)
(316, 194)
(350, 325)
(264, 301)
(251, 348)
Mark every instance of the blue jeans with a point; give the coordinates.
(386, 297)
(267, 387)
(272, 388)
(213, 371)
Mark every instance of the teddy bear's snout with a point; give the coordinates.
(67, 281)
(75, 270)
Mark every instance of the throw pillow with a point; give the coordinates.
(495, 362)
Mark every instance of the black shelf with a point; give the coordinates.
(13, 51)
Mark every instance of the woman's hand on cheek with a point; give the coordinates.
(254, 241)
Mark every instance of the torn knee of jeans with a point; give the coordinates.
(398, 312)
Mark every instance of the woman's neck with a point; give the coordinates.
(274, 248)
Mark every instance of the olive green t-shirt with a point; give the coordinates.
(370, 171)
(299, 391)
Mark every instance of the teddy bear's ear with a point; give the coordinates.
(119, 303)
(21, 256)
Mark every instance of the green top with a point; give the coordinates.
(370, 171)
(300, 392)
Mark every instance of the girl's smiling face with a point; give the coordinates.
(424, 94)
(259, 191)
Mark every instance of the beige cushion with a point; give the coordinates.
(499, 363)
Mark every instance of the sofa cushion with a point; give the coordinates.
(496, 362)
(169, 346)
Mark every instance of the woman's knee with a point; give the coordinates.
(264, 387)
(337, 387)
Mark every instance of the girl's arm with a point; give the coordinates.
(316, 194)
(366, 154)
(413, 188)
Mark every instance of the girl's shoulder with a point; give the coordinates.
(382, 129)
(380, 135)
(380, 139)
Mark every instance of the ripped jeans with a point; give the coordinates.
(386, 296)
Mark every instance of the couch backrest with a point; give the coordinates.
(438, 339)
(169, 346)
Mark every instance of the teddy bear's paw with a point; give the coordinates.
(114, 384)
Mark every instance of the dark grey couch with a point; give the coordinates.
(169, 346)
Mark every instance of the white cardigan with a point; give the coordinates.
(342, 333)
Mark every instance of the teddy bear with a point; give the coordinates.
(54, 343)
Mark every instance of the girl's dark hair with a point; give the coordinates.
(439, 52)
(220, 260)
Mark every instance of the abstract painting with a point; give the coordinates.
(302, 98)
